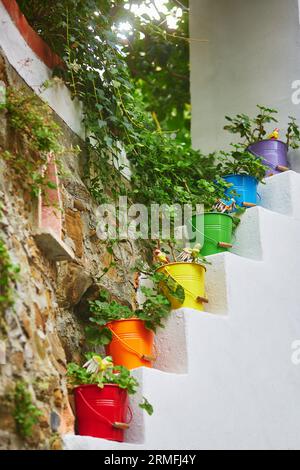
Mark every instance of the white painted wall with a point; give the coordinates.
(252, 57)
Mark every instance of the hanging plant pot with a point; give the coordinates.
(273, 154)
(217, 232)
(102, 412)
(132, 344)
(191, 277)
(245, 188)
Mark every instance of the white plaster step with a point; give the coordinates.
(235, 395)
(240, 389)
(72, 442)
(262, 243)
(263, 232)
(239, 384)
(263, 235)
(171, 341)
(281, 193)
(239, 378)
(239, 373)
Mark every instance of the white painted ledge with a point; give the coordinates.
(281, 193)
(34, 72)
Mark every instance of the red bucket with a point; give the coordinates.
(102, 412)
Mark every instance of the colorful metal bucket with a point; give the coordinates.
(273, 154)
(132, 344)
(101, 412)
(191, 277)
(217, 236)
(244, 188)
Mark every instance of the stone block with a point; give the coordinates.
(74, 230)
(54, 248)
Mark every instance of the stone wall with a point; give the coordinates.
(45, 328)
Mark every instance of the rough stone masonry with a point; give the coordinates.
(45, 328)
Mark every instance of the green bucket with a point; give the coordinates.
(218, 229)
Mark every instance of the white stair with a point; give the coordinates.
(281, 193)
(235, 386)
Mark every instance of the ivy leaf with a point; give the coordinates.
(101, 124)
(145, 405)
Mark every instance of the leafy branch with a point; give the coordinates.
(8, 275)
(26, 414)
(35, 137)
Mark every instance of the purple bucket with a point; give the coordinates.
(273, 154)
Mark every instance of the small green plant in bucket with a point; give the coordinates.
(260, 142)
(101, 371)
(242, 171)
(128, 334)
(101, 393)
(293, 134)
(241, 162)
(154, 312)
(251, 130)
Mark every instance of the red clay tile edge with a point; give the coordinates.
(34, 41)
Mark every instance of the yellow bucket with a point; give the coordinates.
(191, 277)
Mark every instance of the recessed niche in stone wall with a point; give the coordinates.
(48, 233)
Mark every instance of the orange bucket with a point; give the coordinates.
(132, 344)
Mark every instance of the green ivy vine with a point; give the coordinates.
(26, 414)
(34, 135)
(119, 108)
(8, 275)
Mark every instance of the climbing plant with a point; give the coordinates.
(121, 104)
(35, 135)
(26, 414)
(156, 52)
(8, 275)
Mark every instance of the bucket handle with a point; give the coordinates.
(123, 426)
(225, 245)
(116, 425)
(144, 357)
(282, 168)
(203, 234)
(269, 164)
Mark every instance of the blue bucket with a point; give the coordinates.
(245, 188)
